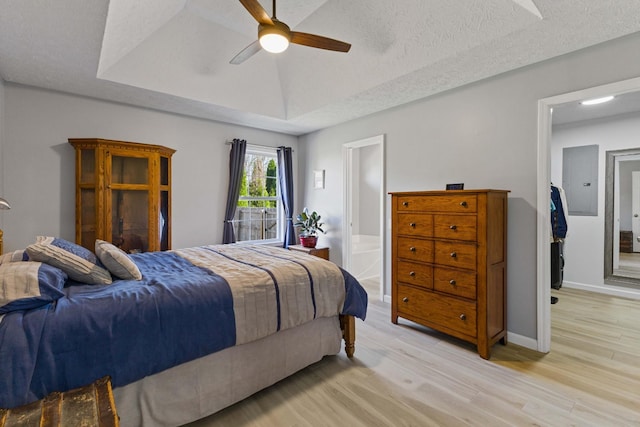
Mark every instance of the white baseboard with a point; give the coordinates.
(522, 341)
(617, 291)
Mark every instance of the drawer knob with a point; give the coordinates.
(453, 254)
(412, 224)
(453, 227)
(412, 273)
(412, 249)
(463, 204)
(405, 299)
(463, 317)
(452, 282)
(405, 204)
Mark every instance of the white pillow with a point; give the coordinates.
(117, 261)
(79, 263)
(15, 256)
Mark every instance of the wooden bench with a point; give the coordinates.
(91, 405)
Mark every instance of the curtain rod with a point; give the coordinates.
(228, 142)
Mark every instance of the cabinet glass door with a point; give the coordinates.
(130, 220)
(130, 203)
(129, 170)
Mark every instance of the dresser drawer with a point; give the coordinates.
(415, 249)
(455, 282)
(459, 203)
(415, 224)
(459, 227)
(439, 309)
(456, 254)
(414, 274)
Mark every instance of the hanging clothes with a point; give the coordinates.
(558, 213)
(559, 228)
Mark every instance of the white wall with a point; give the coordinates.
(483, 134)
(39, 170)
(584, 246)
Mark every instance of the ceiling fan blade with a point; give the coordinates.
(320, 42)
(246, 53)
(257, 11)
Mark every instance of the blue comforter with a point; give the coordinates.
(185, 307)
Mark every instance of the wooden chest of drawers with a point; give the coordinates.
(449, 263)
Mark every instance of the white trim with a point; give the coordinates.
(271, 152)
(545, 107)
(521, 340)
(346, 217)
(544, 228)
(617, 291)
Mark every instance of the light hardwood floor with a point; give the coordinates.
(408, 375)
(629, 265)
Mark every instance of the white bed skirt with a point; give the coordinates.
(195, 389)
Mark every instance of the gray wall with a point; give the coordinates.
(39, 174)
(483, 134)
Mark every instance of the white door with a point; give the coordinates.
(635, 209)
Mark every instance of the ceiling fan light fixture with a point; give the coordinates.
(274, 43)
(274, 38)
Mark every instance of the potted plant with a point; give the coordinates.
(309, 225)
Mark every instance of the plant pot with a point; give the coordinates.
(308, 241)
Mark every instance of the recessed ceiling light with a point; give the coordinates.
(596, 101)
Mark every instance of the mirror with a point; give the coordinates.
(622, 218)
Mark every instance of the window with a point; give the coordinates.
(258, 213)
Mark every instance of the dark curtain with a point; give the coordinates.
(236, 165)
(285, 178)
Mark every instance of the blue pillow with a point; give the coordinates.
(79, 263)
(27, 285)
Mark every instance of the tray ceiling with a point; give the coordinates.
(173, 55)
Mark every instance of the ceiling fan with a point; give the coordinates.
(274, 36)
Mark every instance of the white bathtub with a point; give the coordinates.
(365, 256)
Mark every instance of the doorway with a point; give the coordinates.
(545, 108)
(363, 217)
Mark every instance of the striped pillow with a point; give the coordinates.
(79, 263)
(15, 256)
(27, 285)
(117, 261)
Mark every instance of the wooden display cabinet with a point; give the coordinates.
(123, 194)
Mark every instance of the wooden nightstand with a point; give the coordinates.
(319, 252)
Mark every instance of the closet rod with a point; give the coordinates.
(228, 142)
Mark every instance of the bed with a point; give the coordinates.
(181, 333)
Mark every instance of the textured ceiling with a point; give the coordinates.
(173, 55)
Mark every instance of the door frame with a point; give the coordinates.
(347, 158)
(543, 268)
(635, 208)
